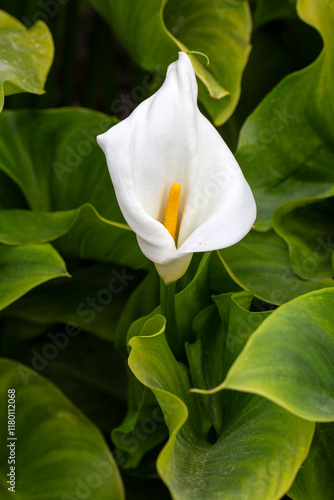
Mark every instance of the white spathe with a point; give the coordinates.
(165, 140)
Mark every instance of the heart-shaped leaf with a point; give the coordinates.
(88, 370)
(256, 454)
(307, 227)
(60, 168)
(260, 263)
(58, 452)
(25, 56)
(289, 358)
(286, 145)
(24, 267)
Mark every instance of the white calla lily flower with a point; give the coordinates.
(178, 185)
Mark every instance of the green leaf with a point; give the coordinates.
(98, 238)
(77, 232)
(86, 369)
(286, 145)
(93, 299)
(25, 56)
(61, 168)
(23, 227)
(260, 263)
(315, 480)
(289, 358)
(307, 227)
(257, 453)
(219, 28)
(58, 451)
(24, 267)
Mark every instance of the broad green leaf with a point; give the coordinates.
(59, 453)
(286, 145)
(25, 56)
(86, 369)
(315, 480)
(24, 267)
(219, 28)
(289, 359)
(77, 232)
(307, 227)
(257, 453)
(61, 168)
(98, 238)
(260, 263)
(24, 227)
(279, 48)
(93, 299)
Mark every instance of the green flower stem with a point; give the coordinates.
(167, 299)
